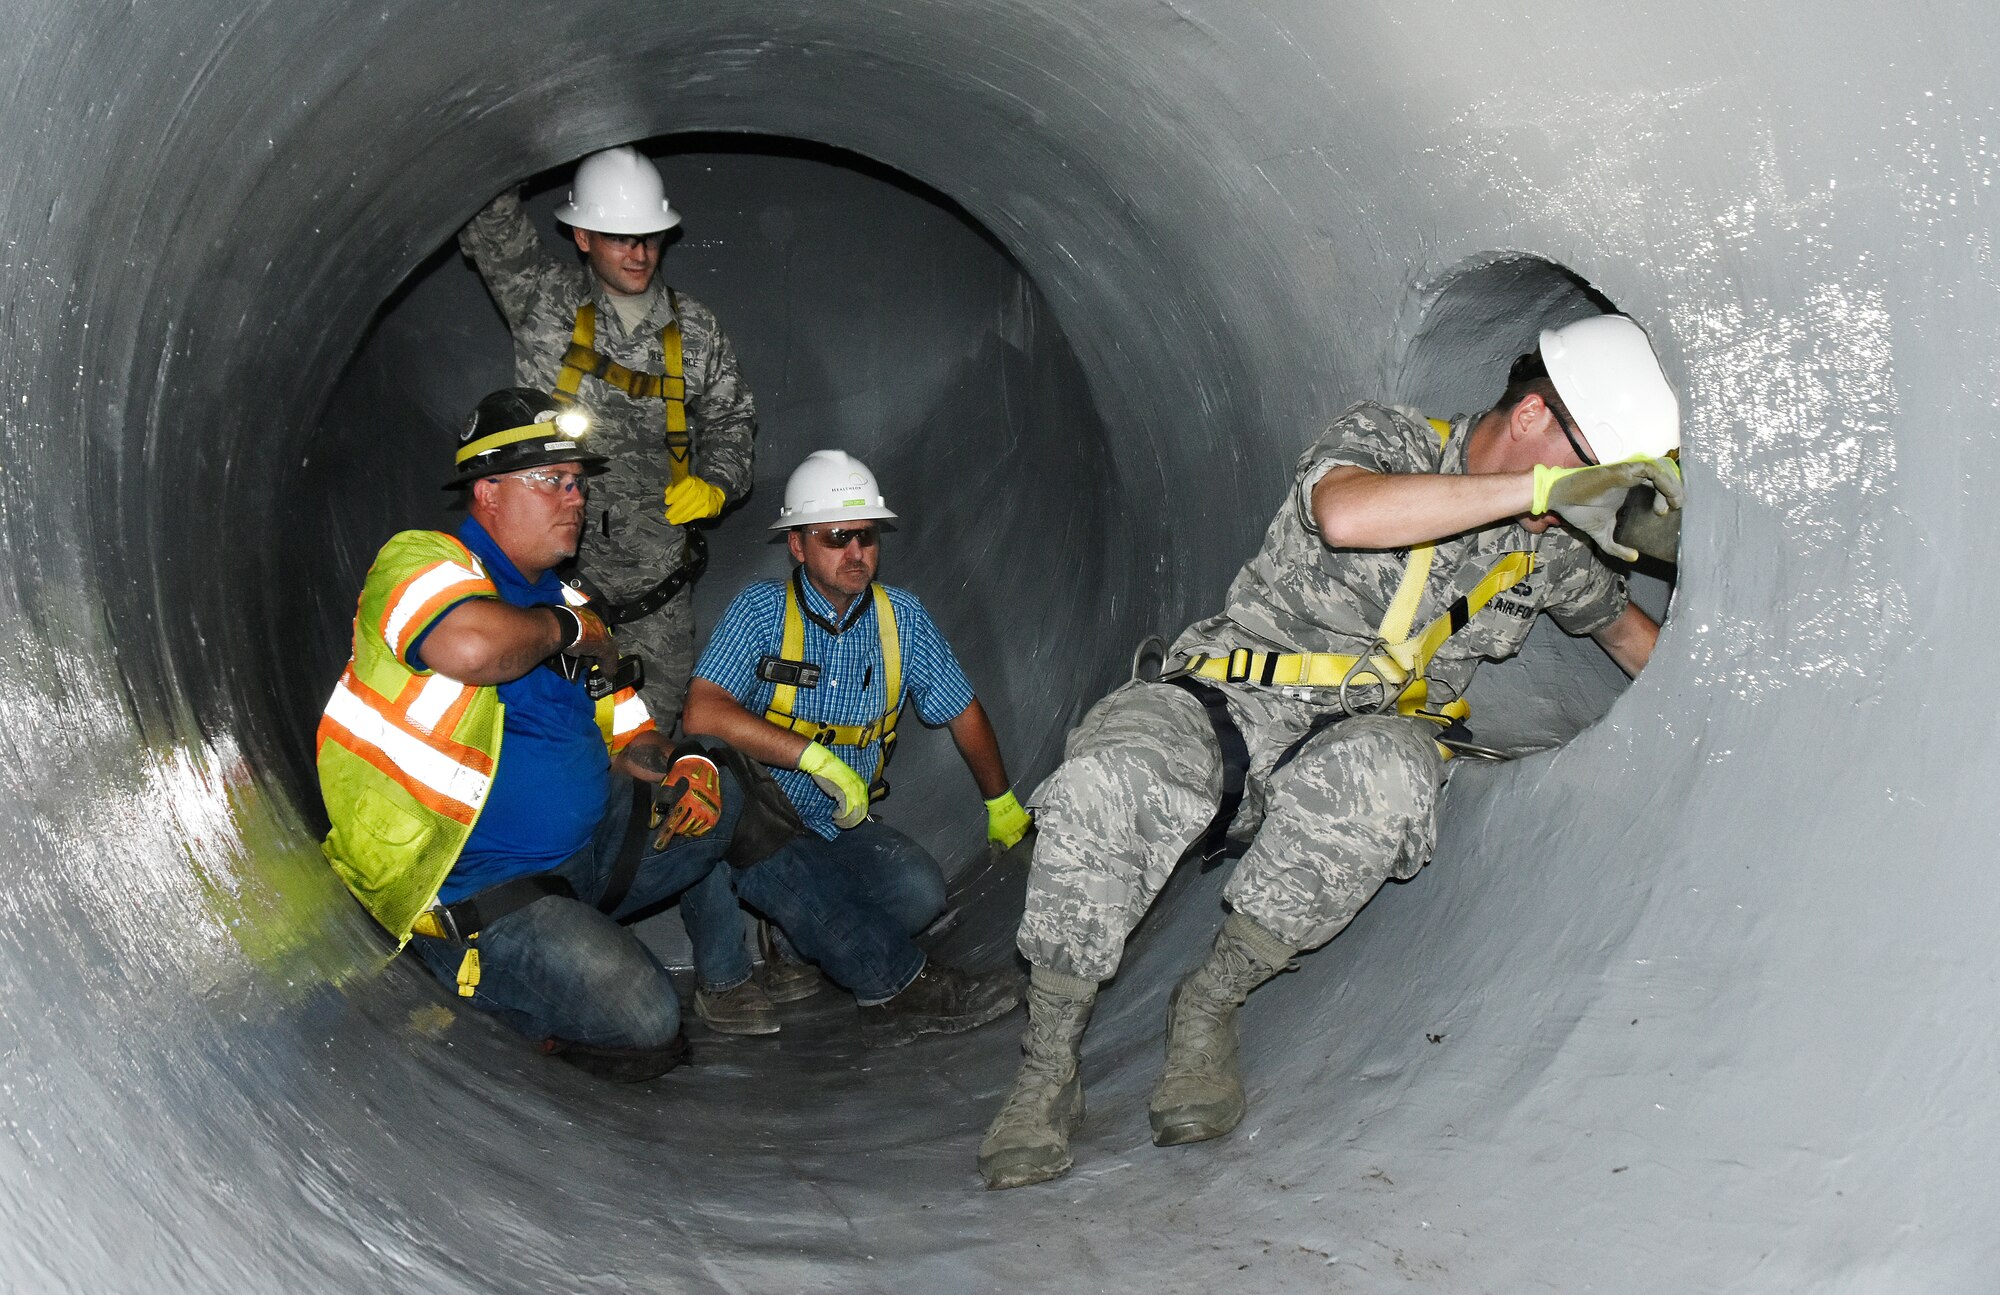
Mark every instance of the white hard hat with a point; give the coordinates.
(617, 191)
(830, 486)
(1606, 373)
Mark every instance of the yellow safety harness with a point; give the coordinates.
(1397, 660)
(882, 729)
(583, 360)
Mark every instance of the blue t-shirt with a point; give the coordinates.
(851, 688)
(554, 776)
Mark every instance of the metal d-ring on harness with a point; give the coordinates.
(1393, 664)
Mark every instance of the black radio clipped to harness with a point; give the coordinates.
(798, 674)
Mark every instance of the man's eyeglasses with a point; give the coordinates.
(626, 242)
(1575, 443)
(549, 483)
(841, 536)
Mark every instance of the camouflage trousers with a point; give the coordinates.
(665, 641)
(1142, 776)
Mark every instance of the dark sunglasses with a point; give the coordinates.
(842, 536)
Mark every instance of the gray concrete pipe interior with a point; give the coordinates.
(1700, 1001)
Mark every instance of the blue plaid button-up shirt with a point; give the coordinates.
(851, 688)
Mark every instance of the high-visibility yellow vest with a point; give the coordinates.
(882, 729)
(583, 360)
(406, 759)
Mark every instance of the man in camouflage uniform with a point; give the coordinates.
(1406, 551)
(618, 216)
(635, 535)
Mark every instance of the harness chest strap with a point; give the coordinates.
(784, 699)
(1399, 664)
(583, 359)
(1403, 658)
(1395, 627)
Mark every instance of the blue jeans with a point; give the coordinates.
(887, 870)
(851, 904)
(559, 968)
(714, 921)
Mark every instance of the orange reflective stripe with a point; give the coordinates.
(415, 602)
(435, 760)
(332, 730)
(629, 718)
(434, 703)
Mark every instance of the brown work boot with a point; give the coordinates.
(941, 1000)
(1200, 1094)
(1029, 1138)
(790, 982)
(740, 1009)
(784, 980)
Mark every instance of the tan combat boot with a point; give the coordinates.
(1029, 1139)
(1200, 1095)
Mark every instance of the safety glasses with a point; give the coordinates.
(840, 537)
(549, 483)
(1574, 443)
(626, 242)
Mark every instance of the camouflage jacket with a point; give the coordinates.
(1299, 595)
(628, 544)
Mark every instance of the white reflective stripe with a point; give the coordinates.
(433, 701)
(420, 591)
(433, 769)
(629, 714)
(574, 597)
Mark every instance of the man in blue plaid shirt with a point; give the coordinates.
(811, 676)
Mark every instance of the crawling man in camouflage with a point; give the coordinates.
(1309, 711)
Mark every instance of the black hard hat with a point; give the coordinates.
(517, 428)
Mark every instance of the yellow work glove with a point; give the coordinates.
(1588, 498)
(691, 500)
(850, 794)
(1006, 821)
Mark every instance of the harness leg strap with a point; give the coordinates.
(1235, 767)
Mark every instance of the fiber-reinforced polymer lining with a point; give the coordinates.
(1710, 985)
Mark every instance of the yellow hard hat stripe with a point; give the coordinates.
(500, 440)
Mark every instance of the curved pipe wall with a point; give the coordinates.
(1696, 1002)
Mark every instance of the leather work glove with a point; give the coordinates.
(691, 500)
(1006, 821)
(836, 779)
(1588, 498)
(689, 800)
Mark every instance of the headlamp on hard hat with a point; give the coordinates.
(521, 427)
